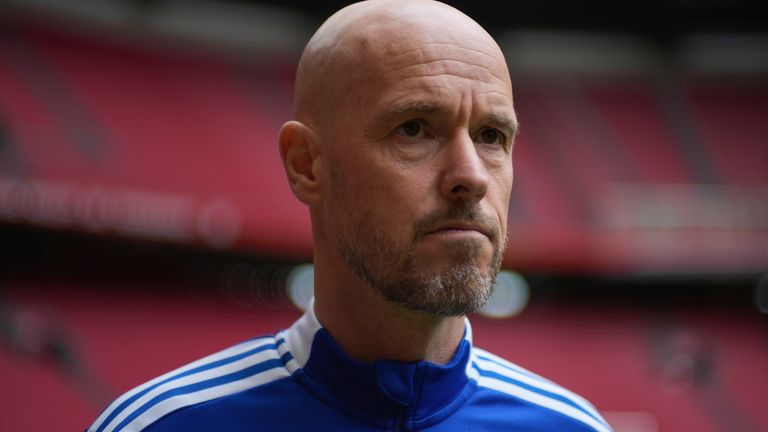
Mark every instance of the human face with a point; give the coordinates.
(421, 172)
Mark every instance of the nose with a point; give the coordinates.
(465, 175)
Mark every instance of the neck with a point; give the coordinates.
(369, 327)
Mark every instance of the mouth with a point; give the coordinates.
(459, 228)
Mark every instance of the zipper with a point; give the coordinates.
(399, 425)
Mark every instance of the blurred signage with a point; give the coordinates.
(681, 227)
(124, 212)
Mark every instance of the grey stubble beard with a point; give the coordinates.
(394, 274)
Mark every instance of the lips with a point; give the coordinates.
(458, 220)
(460, 226)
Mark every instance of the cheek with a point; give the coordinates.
(502, 174)
(398, 197)
(501, 192)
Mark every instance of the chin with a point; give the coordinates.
(445, 264)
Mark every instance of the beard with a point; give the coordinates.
(394, 271)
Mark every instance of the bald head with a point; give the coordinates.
(353, 48)
(404, 130)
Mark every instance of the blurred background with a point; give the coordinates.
(145, 220)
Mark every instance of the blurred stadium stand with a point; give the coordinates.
(145, 219)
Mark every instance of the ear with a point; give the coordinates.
(298, 150)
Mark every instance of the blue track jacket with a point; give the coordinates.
(300, 380)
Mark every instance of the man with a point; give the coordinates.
(401, 149)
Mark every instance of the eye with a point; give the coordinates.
(492, 136)
(411, 128)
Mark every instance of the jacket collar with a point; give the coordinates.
(382, 390)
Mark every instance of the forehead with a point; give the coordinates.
(433, 65)
(432, 55)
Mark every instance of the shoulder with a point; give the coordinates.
(236, 369)
(514, 382)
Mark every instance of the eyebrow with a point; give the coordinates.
(415, 107)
